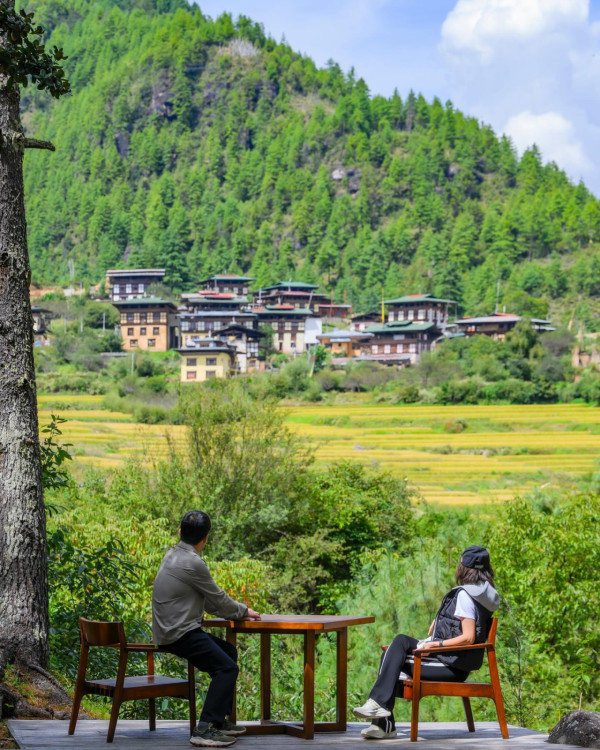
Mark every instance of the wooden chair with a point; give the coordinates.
(148, 686)
(414, 689)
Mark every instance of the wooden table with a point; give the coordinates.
(309, 626)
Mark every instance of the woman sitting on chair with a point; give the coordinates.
(463, 618)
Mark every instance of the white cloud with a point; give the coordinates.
(531, 68)
(478, 25)
(553, 134)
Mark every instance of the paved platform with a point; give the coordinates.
(174, 735)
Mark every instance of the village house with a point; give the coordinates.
(148, 323)
(209, 358)
(420, 308)
(245, 341)
(401, 342)
(41, 319)
(361, 321)
(497, 325)
(206, 313)
(293, 328)
(301, 295)
(344, 344)
(132, 283)
(228, 283)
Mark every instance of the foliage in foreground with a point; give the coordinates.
(343, 539)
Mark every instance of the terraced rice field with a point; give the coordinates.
(459, 455)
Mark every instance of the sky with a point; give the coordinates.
(529, 68)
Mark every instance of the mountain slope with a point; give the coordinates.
(205, 146)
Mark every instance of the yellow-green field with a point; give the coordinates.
(456, 455)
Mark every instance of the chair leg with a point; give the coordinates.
(75, 709)
(414, 718)
(468, 714)
(152, 713)
(495, 680)
(192, 695)
(114, 715)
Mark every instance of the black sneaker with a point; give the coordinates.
(232, 729)
(207, 735)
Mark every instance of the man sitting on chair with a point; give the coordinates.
(183, 590)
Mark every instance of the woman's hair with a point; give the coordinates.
(474, 575)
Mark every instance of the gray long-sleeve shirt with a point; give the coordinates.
(183, 590)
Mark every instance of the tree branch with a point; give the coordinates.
(34, 143)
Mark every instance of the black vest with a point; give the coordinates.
(449, 626)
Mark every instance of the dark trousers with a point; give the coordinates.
(217, 657)
(393, 661)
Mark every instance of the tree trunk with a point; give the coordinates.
(23, 557)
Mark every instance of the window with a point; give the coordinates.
(411, 314)
(143, 317)
(288, 325)
(133, 343)
(156, 317)
(191, 362)
(211, 374)
(155, 331)
(130, 331)
(375, 349)
(130, 317)
(128, 288)
(386, 349)
(142, 331)
(141, 288)
(116, 289)
(211, 361)
(200, 325)
(191, 374)
(392, 316)
(399, 348)
(218, 325)
(151, 342)
(185, 326)
(421, 314)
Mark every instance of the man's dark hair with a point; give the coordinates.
(195, 525)
(472, 576)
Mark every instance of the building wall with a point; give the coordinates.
(142, 330)
(196, 367)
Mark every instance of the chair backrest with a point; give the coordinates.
(492, 634)
(95, 633)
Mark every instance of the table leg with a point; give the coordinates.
(231, 637)
(265, 676)
(342, 680)
(309, 685)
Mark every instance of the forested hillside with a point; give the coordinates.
(205, 146)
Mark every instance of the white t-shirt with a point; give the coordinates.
(465, 606)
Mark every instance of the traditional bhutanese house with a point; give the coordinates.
(498, 324)
(402, 341)
(360, 321)
(132, 283)
(208, 323)
(210, 358)
(210, 300)
(295, 293)
(245, 342)
(294, 328)
(41, 319)
(228, 283)
(148, 323)
(345, 344)
(420, 308)
(333, 310)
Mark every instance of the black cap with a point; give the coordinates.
(476, 557)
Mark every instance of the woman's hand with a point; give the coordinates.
(430, 631)
(429, 644)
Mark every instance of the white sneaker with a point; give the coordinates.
(373, 732)
(371, 710)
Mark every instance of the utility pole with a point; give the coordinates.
(103, 322)
(132, 362)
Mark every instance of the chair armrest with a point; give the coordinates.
(143, 647)
(443, 649)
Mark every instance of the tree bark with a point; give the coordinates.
(23, 556)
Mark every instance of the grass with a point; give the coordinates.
(498, 452)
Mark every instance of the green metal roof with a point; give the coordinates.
(290, 285)
(399, 327)
(417, 298)
(228, 277)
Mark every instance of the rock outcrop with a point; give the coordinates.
(581, 728)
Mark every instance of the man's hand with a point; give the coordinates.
(429, 644)
(252, 615)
